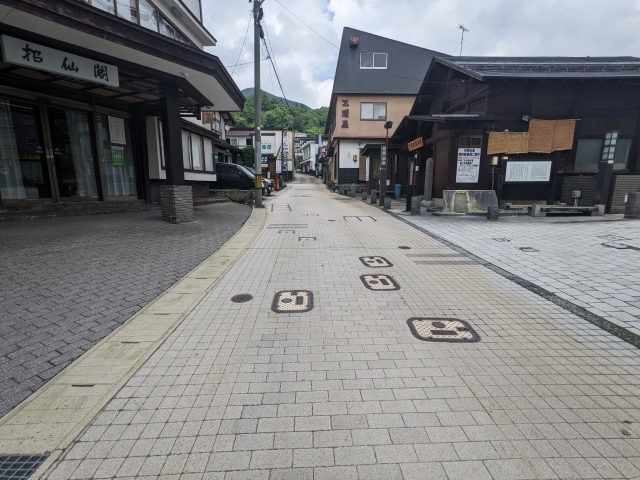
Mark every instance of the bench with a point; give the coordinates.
(544, 210)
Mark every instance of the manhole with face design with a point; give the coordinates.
(292, 301)
(442, 330)
(376, 262)
(380, 282)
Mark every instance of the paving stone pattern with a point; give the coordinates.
(67, 283)
(345, 390)
(571, 260)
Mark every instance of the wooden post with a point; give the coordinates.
(172, 135)
(553, 187)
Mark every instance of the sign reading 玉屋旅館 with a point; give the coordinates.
(39, 57)
(468, 169)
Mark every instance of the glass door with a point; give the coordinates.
(71, 141)
(24, 169)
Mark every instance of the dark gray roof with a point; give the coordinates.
(544, 67)
(406, 66)
(452, 117)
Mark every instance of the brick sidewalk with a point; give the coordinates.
(67, 283)
(346, 391)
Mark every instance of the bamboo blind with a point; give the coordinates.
(508, 142)
(541, 135)
(563, 133)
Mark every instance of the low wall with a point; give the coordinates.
(239, 196)
(468, 201)
(621, 185)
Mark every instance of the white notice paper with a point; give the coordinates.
(468, 165)
(522, 171)
(367, 169)
(116, 130)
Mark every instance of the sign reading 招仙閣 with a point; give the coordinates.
(39, 57)
(468, 169)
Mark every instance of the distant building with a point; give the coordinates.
(377, 79)
(310, 151)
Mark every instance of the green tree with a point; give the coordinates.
(249, 156)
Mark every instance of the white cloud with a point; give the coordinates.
(306, 63)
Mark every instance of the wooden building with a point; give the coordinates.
(543, 115)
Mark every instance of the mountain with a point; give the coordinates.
(249, 91)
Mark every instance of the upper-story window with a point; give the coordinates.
(143, 13)
(373, 60)
(373, 111)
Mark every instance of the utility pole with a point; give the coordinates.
(461, 27)
(257, 94)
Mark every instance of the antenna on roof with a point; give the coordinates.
(461, 27)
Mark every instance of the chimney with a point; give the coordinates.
(353, 42)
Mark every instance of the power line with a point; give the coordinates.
(245, 63)
(481, 51)
(333, 45)
(242, 48)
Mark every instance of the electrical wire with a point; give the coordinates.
(242, 48)
(481, 51)
(333, 45)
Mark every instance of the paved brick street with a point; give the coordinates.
(593, 264)
(345, 390)
(67, 283)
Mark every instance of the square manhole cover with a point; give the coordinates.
(376, 262)
(292, 301)
(307, 239)
(442, 330)
(501, 240)
(14, 467)
(379, 282)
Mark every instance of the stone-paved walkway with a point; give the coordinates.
(67, 283)
(346, 391)
(593, 264)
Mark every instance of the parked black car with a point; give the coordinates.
(236, 177)
(268, 181)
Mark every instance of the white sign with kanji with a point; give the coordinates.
(468, 165)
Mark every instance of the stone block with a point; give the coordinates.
(239, 196)
(353, 191)
(364, 196)
(468, 201)
(633, 206)
(176, 203)
(374, 197)
(415, 205)
(493, 213)
(387, 203)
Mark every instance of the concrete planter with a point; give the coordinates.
(239, 196)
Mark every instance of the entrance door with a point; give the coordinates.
(24, 169)
(73, 154)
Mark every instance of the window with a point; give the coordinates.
(620, 158)
(105, 5)
(196, 151)
(148, 16)
(373, 60)
(373, 111)
(470, 142)
(588, 153)
(186, 150)
(208, 155)
(128, 9)
(161, 143)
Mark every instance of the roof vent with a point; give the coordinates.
(353, 42)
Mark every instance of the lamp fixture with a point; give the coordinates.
(388, 125)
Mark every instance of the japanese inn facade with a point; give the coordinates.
(109, 100)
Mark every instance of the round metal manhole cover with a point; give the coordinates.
(403, 247)
(243, 297)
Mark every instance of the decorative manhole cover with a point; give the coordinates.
(379, 282)
(501, 239)
(292, 301)
(243, 297)
(528, 249)
(442, 330)
(376, 262)
(404, 247)
(14, 467)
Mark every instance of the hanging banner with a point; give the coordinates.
(39, 57)
(367, 169)
(285, 144)
(278, 166)
(468, 165)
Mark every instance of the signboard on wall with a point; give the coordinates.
(268, 144)
(468, 169)
(117, 156)
(367, 169)
(39, 57)
(265, 161)
(285, 144)
(278, 166)
(528, 171)
(116, 130)
(416, 144)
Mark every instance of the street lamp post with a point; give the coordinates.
(383, 165)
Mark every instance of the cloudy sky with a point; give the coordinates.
(307, 63)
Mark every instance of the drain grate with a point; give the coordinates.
(442, 330)
(17, 467)
(241, 298)
(528, 249)
(285, 206)
(404, 247)
(292, 301)
(501, 239)
(379, 282)
(288, 225)
(359, 218)
(376, 262)
(287, 231)
(310, 239)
